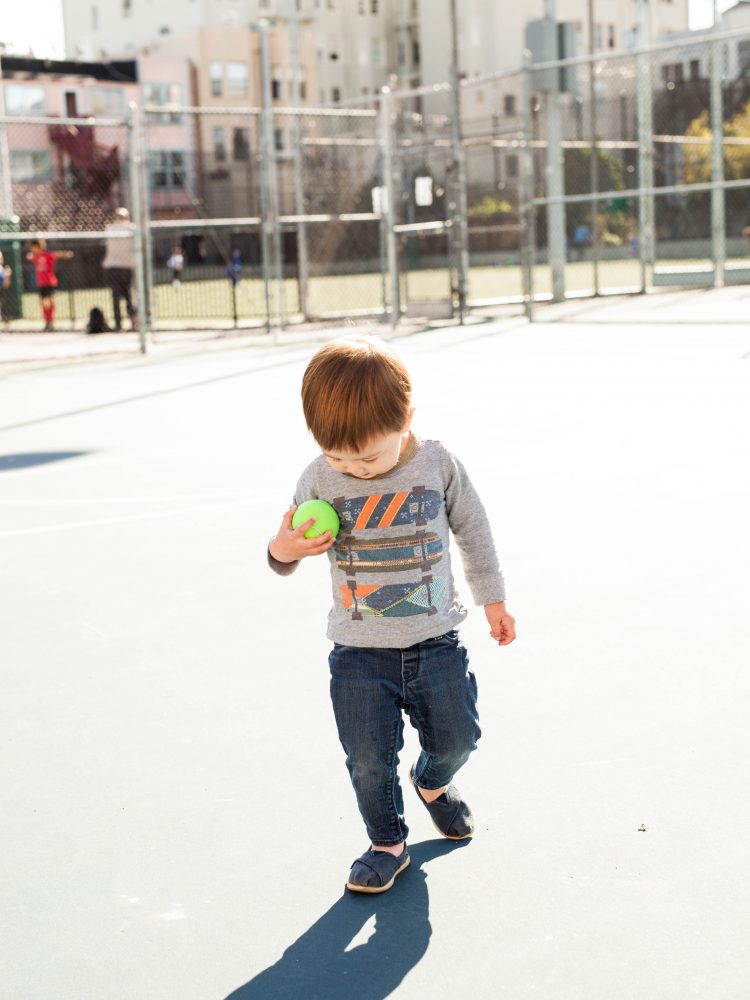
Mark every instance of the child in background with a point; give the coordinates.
(44, 261)
(395, 610)
(175, 263)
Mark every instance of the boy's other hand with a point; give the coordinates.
(290, 545)
(502, 623)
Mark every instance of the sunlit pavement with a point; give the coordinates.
(177, 818)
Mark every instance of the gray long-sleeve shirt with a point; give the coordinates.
(390, 566)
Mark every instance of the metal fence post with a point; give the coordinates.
(460, 219)
(528, 237)
(594, 162)
(136, 197)
(303, 266)
(718, 215)
(388, 202)
(644, 108)
(269, 190)
(555, 176)
(148, 241)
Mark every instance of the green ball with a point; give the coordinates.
(326, 518)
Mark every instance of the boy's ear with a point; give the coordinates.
(407, 422)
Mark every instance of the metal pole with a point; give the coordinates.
(303, 266)
(136, 197)
(718, 214)
(388, 202)
(555, 174)
(404, 62)
(462, 211)
(528, 240)
(594, 165)
(645, 147)
(148, 242)
(269, 187)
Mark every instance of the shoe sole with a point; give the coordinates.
(466, 836)
(382, 888)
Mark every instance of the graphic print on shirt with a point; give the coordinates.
(420, 550)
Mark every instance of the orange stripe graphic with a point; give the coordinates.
(364, 514)
(393, 508)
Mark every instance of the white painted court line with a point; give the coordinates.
(124, 519)
(83, 501)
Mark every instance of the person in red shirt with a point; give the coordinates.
(46, 278)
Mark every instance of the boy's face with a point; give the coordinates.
(378, 456)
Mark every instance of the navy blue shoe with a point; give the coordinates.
(449, 813)
(376, 871)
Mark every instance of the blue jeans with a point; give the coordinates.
(370, 689)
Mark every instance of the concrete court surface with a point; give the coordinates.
(177, 818)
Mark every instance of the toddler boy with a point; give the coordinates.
(395, 609)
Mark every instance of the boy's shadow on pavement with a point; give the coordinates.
(318, 966)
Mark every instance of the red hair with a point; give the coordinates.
(353, 391)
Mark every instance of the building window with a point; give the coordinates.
(335, 94)
(127, 8)
(237, 78)
(373, 6)
(240, 144)
(302, 90)
(611, 36)
(167, 169)
(511, 165)
(332, 4)
(695, 69)
(94, 18)
(276, 90)
(21, 100)
(375, 52)
(106, 100)
(278, 139)
(361, 7)
(163, 95)
(509, 104)
(32, 167)
(216, 76)
(220, 149)
(679, 74)
(416, 53)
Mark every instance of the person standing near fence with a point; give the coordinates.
(6, 273)
(118, 263)
(46, 277)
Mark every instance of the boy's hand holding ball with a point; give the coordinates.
(307, 530)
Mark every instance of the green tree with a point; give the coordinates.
(697, 154)
(697, 167)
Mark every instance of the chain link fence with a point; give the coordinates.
(59, 181)
(615, 171)
(641, 168)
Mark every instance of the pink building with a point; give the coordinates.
(69, 175)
